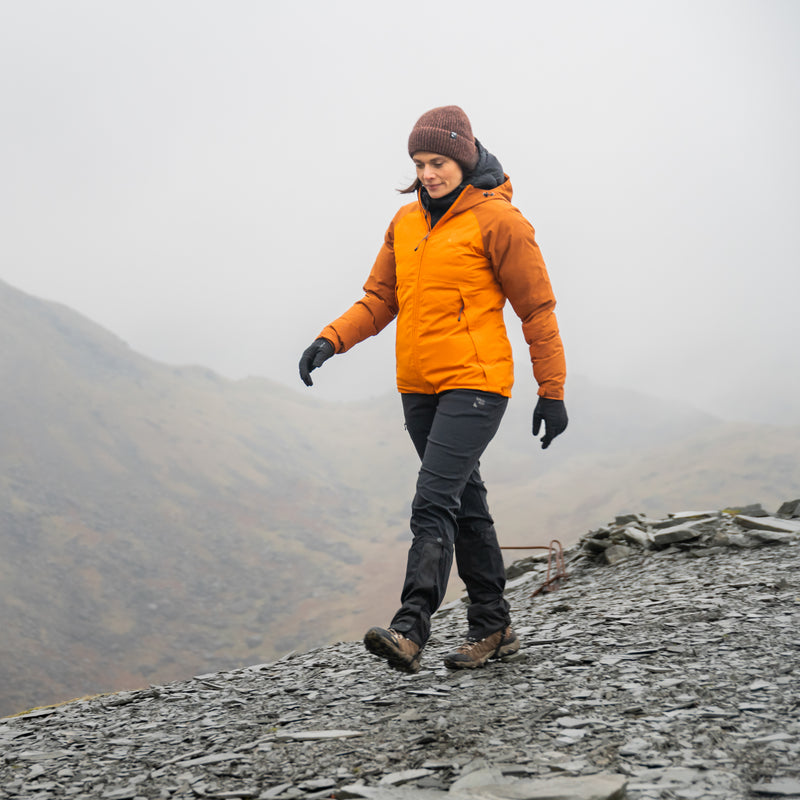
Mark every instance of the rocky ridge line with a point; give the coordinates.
(669, 669)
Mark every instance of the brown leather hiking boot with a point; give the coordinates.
(401, 653)
(473, 654)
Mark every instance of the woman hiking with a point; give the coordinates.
(448, 263)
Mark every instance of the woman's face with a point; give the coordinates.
(438, 174)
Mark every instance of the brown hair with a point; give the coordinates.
(411, 189)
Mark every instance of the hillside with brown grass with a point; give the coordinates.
(158, 521)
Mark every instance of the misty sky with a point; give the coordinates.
(211, 181)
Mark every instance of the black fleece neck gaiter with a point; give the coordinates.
(437, 206)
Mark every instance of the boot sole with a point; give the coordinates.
(378, 646)
(466, 664)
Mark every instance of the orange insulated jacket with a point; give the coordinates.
(447, 286)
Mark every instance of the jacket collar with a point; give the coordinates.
(486, 180)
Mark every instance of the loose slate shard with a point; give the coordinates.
(214, 758)
(590, 787)
(789, 509)
(617, 553)
(677, 533)
(782, 787)
(769, 524)
(309, 736)
(406, 776)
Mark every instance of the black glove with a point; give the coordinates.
(554, 415)
(314, 356)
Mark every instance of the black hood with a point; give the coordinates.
(488, 172)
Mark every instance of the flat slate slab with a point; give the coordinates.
(769, 524)
(589, 787)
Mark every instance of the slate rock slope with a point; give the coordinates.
(670, 670)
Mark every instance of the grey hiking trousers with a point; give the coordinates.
(450, 431)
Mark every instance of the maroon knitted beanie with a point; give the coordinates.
(446, 131)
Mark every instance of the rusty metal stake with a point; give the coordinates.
(554, 549)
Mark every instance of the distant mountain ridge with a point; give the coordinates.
(159, 521)
(155, 516)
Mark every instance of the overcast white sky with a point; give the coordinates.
(211, 181)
